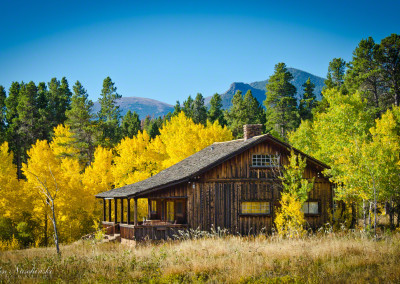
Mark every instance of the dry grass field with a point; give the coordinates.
(330, 257)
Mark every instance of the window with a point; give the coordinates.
(310, 207)
(179, 209)
(170, 211)
(153, 206)
(256, 207)
(265, 160)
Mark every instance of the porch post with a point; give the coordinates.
(104, 210)
(122, 210)
(109, 210)
(135, 213)
(128, 212)
(115, 210)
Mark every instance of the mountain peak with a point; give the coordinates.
(258, 88)
(143, 106)
(154, 108)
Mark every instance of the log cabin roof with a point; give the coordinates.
(196, 164)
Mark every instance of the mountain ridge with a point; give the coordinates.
(258, 88)
(142, 106)
(154, 108)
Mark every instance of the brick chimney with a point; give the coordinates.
(251, 130)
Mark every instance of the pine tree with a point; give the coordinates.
(235, 115)
(188, 107)
(13, 124)
(109, 114)
(59, 100)
(389, 60)
(42, 103)
(177, 109)
(336, 72)
(281, 104)
(364, 74)
(146, 123)
(215, 112)
(254, 111)
(27, 117)
(244, 110)
(308, 100)
(65, 101)
(130, 124)
(154, 129)
(2, 114)
(80, 121)
(199, 110)
(335, 80)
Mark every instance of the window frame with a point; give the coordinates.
(180, 215)
(256, 214)
(153, 209)
(265, 157)
(314, 201)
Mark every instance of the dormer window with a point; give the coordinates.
(262, 161)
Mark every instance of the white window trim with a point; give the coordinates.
(265, 160)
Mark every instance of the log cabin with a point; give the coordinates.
(232, 185)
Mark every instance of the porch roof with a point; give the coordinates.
(193, 166)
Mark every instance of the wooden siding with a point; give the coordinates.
(214, 198)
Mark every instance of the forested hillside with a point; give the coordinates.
(258, 88)
(56, 152)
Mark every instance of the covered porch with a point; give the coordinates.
(164, 218)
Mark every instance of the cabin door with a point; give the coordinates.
(223, 202)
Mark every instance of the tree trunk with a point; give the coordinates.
(46, 241)
(369, 215)
(364, 214)
(353, 215)
(55, 229)
(396, 93)
(390, 211)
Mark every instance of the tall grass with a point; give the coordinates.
(325, 257)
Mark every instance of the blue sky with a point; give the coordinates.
(168, 50)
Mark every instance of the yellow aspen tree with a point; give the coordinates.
(98, 177)
(289, 219)
(214, 132)
(77, 203)
(63, 142)
(182, 137)
(132, 162)
(12, 201)
(42, 172)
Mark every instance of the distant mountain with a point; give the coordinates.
(142, 106)
(154, 108)
(258, 88)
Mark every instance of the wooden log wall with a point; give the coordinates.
(214, 198)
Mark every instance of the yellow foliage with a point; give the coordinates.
(61, 176)
(290, 220)
(43, 165)
(132, 163)
(63, 141)
(182, 137)
(98, 176)
(12, 244)
(11, 199)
